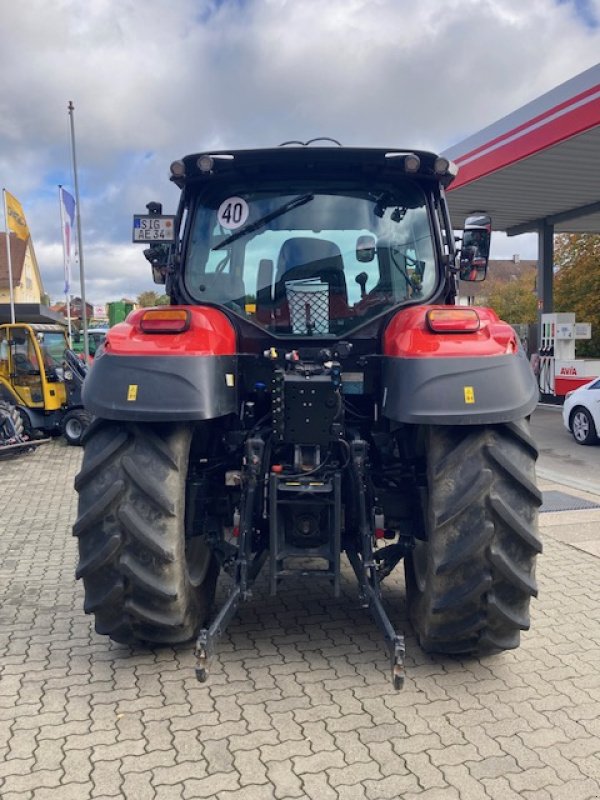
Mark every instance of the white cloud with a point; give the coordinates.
(154, 80)
(525, 245)
(112, 271)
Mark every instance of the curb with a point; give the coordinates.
(557, 477)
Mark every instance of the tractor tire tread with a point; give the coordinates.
(509, 615)
(98, 509)
(105, 595)
(520, 579)
(93, 465)
(148, 486)
(144, 533)
(469, 586)
(101, 554)
(158, 619)
(159, 446)
(145, 579)
(515, 473)
(456, 505)
(131, 535)
(462, 594)
(521, 527)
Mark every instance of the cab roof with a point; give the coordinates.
(38, 327)
(282, 161)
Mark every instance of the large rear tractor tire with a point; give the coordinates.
(469, 586)
(144, 582)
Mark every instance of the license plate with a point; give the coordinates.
(151, 228)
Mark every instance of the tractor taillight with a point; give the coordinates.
(155, 320)
(453, 320)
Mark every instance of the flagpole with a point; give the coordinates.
(11, 293)
(86, 344)
(66, 265)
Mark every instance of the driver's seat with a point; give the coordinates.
(305, 257)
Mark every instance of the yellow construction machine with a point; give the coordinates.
(43, 378)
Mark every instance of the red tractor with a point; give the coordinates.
(312, 390)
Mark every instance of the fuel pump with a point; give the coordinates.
(560, 372)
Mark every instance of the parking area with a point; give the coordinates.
(561, 458)
(299, 702)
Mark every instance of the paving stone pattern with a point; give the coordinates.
(299, 704)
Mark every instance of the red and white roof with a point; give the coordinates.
(540, 162)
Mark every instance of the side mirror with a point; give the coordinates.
(365, 249)
(475, 248)
(158, 256)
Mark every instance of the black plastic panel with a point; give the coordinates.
(458, 391)
(147, 388)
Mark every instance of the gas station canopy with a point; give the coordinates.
(537, 168)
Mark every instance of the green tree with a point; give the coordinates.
(515, 302)
(577, 284)
(151, 298)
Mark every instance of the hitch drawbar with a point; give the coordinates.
(246, 566)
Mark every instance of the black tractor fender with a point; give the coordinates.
(463, 390)
(161, 388)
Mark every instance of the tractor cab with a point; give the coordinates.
(311, 264)
(310, 242)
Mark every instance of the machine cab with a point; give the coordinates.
(31, 358)
(312, 242)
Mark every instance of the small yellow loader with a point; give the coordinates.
(41, 381)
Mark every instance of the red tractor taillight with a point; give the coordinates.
(453, 320)
(176, 320)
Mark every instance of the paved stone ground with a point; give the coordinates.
(299, 704)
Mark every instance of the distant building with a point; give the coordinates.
(26, 278)
(28, 289)
(500, 272)
(76, 309)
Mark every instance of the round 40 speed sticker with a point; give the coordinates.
(233, 213)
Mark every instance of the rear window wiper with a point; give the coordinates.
(262, 221)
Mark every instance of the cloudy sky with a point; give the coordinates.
(153, 80)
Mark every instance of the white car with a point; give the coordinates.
(581, 412)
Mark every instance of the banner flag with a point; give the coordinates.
(16, 216)
(68, 217)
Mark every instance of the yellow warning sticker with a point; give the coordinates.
(132, 392)
(469, 395)
(229, 379)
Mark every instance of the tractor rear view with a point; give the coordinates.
(312, 391)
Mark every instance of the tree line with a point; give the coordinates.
(576, 288)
